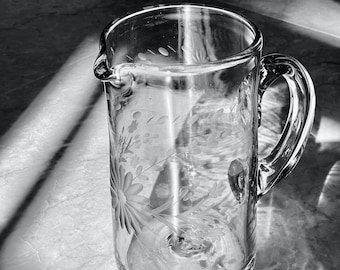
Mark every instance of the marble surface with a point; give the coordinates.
(321, 16)
(55, 208)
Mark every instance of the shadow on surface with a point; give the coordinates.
(34, 48)
(53, 161)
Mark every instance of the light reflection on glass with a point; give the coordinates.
(328, 202)
(328, 133)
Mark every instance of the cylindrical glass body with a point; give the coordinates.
(182, 90)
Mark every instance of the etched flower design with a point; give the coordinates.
(126, 201)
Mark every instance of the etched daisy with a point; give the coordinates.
(126, 202)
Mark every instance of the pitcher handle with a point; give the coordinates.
(287, 152)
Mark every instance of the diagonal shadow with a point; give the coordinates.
(35, 43)
(26, 202)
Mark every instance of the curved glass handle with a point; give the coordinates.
(287, 152)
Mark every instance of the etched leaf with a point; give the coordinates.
(176, 119)
(217, 190)
(162, 119)
(139, 170)
(134, 161)
(157, 168)
(143, 177)
(133, 126)
(149, 120)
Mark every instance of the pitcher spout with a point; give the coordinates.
(101, 68)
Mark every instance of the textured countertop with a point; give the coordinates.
(55, 210)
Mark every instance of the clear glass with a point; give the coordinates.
(183, 84)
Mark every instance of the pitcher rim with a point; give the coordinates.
(254, 47)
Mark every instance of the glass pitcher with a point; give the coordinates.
(184, 86)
